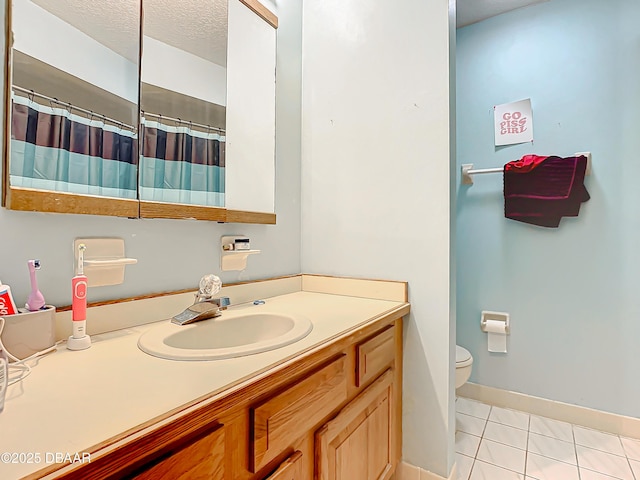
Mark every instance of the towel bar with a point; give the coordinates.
(467, 169)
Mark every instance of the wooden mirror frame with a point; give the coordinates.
(26, 199)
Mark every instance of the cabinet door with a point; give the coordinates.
(202, 458)
(291, 469)
(250, 170)
(358, 444)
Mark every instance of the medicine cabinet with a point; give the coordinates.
(141, 108)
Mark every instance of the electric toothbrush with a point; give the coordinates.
(79, 340)
(35, 300)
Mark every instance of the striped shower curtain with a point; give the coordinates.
(54, 149)
(181, 165)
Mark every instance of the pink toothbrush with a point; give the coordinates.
(35, 300)
(79, 340)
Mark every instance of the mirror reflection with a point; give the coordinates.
(112, 117)
(74, 111)
(182, 102)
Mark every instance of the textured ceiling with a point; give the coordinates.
(472, 11)
(114, 23)
(196, 26)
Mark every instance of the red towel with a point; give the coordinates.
(542, 190)
(525, 164)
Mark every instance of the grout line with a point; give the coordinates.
(526, 452)
(506, 444)
(486, 422)
(575, 451)
(633, 473)
(471, 469)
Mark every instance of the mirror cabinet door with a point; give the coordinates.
(183, 104)
(93, 132)
(251, 111)
(73, 108)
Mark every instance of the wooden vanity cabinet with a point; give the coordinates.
(281, 419)
(291, 469)
(358, 444)
(333, 414)
(201, 458)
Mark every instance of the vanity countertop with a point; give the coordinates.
(75, 400)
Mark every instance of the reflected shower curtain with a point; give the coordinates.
(54, 149)
(181, 165)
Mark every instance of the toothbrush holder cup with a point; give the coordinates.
(27, 333)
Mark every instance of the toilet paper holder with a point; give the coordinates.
(495, 316)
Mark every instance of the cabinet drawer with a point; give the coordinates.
(201, 458)
(282, 419)
(290, 469)
(374, 355)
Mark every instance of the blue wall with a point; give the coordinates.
(574, 292)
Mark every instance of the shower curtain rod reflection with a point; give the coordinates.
(183, 122)
(71, 107)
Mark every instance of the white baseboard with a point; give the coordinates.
(406, 471)
(586, 417)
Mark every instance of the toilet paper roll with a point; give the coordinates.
(497, 339)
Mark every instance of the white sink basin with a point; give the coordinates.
(230, 335)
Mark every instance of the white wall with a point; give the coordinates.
(172, 254)
(72, 51)
(164, 65)
(376, 182)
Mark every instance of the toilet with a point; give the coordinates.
(464, 360)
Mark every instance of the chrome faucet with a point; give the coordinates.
(205, 306)
(201, 310)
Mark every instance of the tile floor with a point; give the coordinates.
(494, 443)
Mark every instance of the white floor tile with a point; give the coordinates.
(467, 444)
(509, 417)
(552, 448)
(551, 428)
(603, 462)
(468, 424)
(472, 407)
(591, 475)
(544, 468)
(635, 466)
(501, 455)
(606, 442)
(464, 465)
(631, 448)
(505, 434)
(494, 443)
(485, 471)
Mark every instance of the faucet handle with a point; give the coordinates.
(209, 286)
